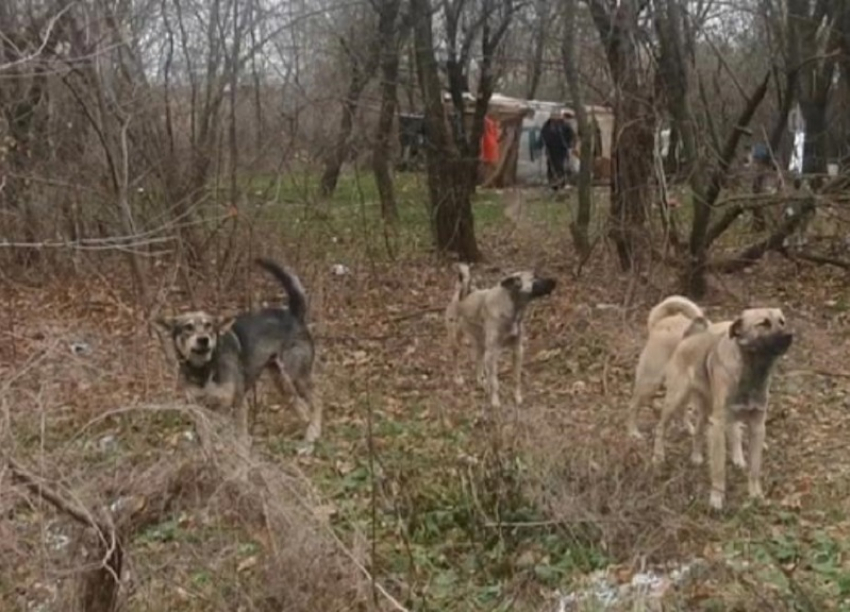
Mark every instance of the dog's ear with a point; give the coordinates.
(511, 283)
(736, 328)
(166, 323)
(223, 324)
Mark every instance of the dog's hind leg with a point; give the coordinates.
(304, 387)
(676, 399)
(284, 383)
(454, 340)
(649, 375)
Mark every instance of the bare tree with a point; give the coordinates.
(580, 226)
(541, 25)
(362, 54)
(634, 126)
(389, 42)
(453, 147)
(814, 42)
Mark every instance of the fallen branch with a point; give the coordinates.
(818, 372)
(99, 585)
(821, 259)
(774, 242)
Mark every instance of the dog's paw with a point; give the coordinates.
(518, 398)
(658, 456)
(459, 380)
(635, 434)
(306, 449)
(754, 490)
(739, 462)
(314, 430)
(715, 500)
(697, 458)
(482, 420)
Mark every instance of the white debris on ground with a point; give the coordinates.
(605, 589)
(340, 270)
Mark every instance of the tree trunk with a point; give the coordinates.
(448, 181)
(580, 227)
(360, 77)
(541, 36)
(388, 43)
(632, 165)
(634, 131)
(815, 147)
(702, 233)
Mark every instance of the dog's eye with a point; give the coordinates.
(766, 324)
(781, 322)
(189, 327)
(207, 325)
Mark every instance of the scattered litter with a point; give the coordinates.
(604, 306)
(106, 443)
(115, 506)
(80, 348)
(340, 270)
(604, 590)
(54, 539)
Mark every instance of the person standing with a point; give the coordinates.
(557, 137)
(489, 148)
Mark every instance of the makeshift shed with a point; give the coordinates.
(509, 114)
(532, 162)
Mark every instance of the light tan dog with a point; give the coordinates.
(492, 320)
(727, 376)
(668, 324)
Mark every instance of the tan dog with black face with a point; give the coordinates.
(492, 319)
(727, 377)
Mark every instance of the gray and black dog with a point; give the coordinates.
(221, 359)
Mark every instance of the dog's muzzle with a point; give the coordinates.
(542, 286)
(202, 345)
(774, 345)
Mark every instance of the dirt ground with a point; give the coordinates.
(419, 507)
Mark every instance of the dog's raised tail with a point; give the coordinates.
(463, 287)
(291, 285)
(673, 305)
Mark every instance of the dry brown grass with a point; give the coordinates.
(403, 487)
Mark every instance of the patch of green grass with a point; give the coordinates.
(805, 563)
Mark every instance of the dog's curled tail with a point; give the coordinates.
(291, 285)
(463, 287)
(673, 305)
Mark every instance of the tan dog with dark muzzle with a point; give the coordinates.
(492, 319)
(727, 377)
(669, 322)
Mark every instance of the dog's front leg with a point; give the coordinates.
(518, 355)
(491, 368)
(757, 436)
(478, 356)
(717, 458)
(697, 440)
(733, 431)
